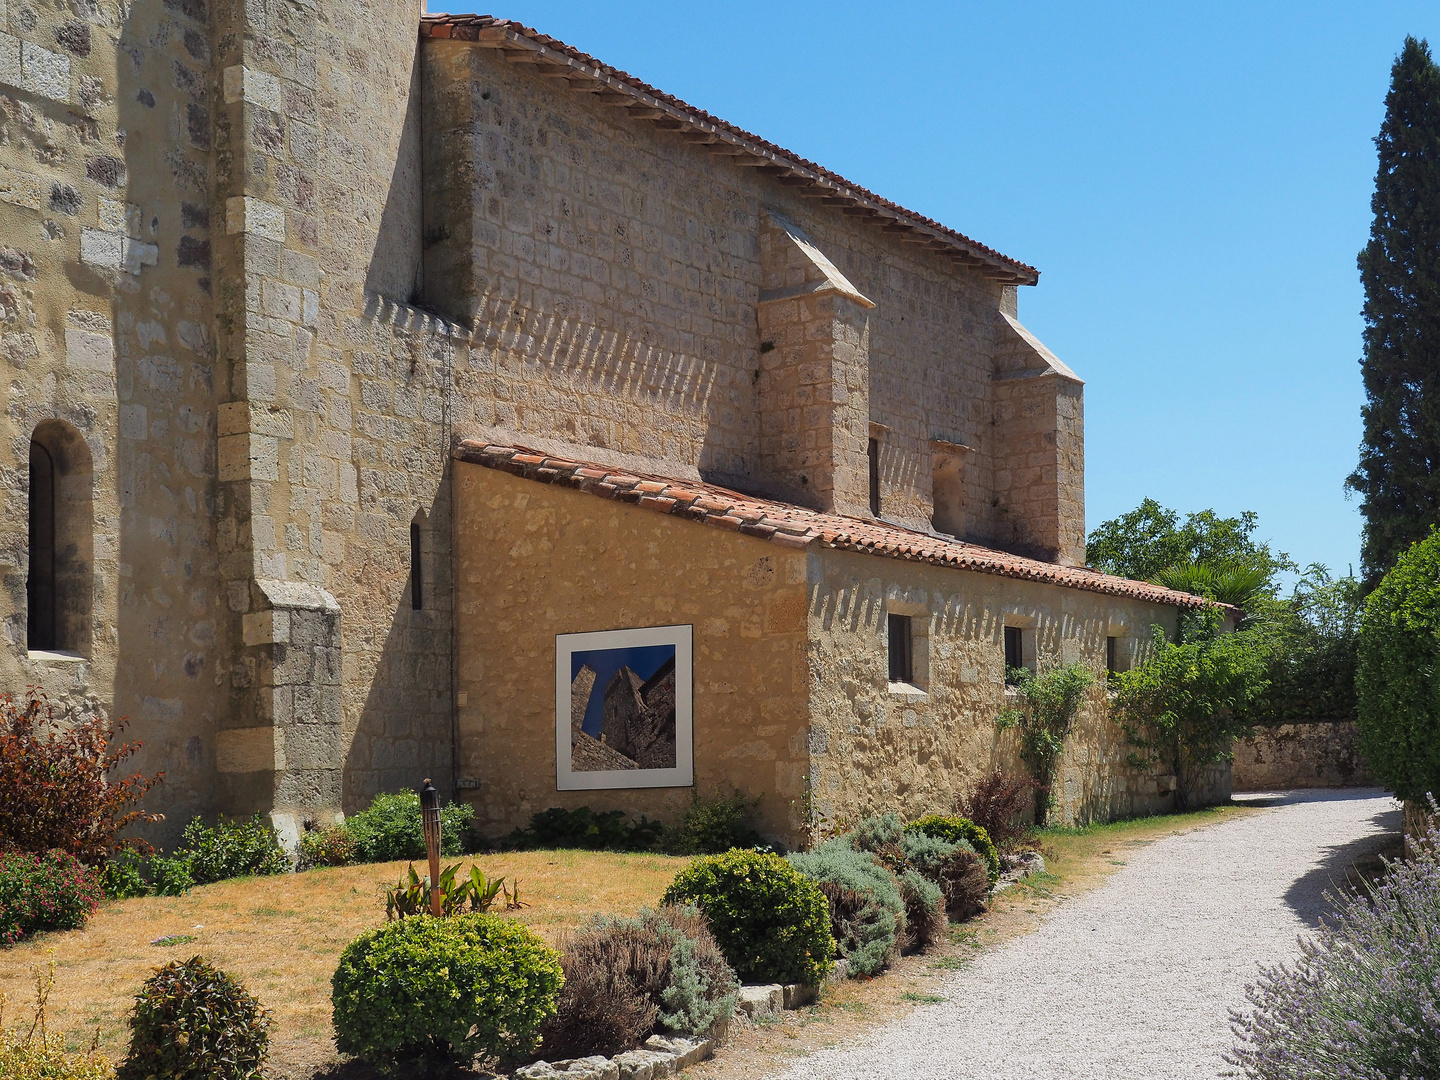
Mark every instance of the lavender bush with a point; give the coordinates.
(1363, 1000)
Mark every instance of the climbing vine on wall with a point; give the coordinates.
(1050, 702)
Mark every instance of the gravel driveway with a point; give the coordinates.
(1135, 978)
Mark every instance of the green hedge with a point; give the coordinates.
(1396, 680)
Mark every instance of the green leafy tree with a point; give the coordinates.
(1397, 678)
(1187, 703)
(1315, 636)
(1215, 552)
(1052, 700)
(1398, 477)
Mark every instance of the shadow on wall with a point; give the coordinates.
(394, 271)
(404, 731)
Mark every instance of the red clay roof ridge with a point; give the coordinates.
(799, 527)
(469, 28)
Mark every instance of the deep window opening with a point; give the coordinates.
(902, 653)
(417, 569)
(1014, 654)
(873, 451)
(40, 584)
(1110, 668)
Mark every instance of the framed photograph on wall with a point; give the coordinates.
(623, 709)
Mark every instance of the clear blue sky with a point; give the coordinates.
(1193, 185)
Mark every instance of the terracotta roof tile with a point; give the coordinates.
(797, 169)
(797, 526)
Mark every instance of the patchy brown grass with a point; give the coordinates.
(282, 937)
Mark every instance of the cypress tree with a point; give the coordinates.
(1398, 477)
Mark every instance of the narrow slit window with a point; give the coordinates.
(1014, 653)
(40, 585)
(417, 570)
(1110, 668)
(873, 452)
(902, 656)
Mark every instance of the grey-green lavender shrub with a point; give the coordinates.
(1362, 1002)
(867, 914)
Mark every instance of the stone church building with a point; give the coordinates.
(355, 358)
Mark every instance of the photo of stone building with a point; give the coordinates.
(354, 356)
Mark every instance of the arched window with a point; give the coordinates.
(417, 561)
(59, 586)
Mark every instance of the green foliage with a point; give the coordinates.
(960, 830)
(1187, 703)
(1151, 539)
(231, 849)
(48, 891)
(1400, 270)
(713, 825)
(1311, 668)
(124, 877)
(924, 909)
(412, 897)
(1397, 677)
(1052, 702)
(1236, 584)
(443, 990)
(390, 828)
(192, 1021)
(962, 876)
(170, 877)
(329, 845)
(30, 1052)
(583, 828)
(625, 976)
(867, 914)
(772, 923)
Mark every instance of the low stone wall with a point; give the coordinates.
(1300, 756)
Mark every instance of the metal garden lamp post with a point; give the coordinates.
(430, 816)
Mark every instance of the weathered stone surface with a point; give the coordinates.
(686, 1051)
(798, 995)
(587, 1068)
(1299, 756)
(758, 1001)
(645, 1064)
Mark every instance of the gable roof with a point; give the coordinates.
(555, 59)
(798, 527)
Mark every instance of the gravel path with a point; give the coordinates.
(1135, 978)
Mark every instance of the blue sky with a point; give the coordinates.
(644, 660)
(1194, 186)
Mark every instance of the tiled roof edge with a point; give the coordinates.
(797, 527)
(507, 34)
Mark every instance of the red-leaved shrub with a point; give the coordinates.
(56, 789)
(996, 804)
(48, 891)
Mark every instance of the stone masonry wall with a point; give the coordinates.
(613, 271)
(534, 561)
(1300, 756)
(876, 746)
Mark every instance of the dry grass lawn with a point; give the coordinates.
(282, 937)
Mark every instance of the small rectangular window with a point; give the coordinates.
(1110, 668)
(1014, 652)
(874, 453)
(417, 600)
(902, 668)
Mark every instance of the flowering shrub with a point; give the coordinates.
(52, 891)
(56, 788)
(1363, 1000)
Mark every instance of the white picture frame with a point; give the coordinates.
(582, 768)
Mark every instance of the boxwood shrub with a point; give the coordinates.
(47, 891)
(444, 990)
(390, 828)
(192, 1021)
(955, 829)
(772, 923)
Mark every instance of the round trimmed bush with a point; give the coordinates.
(1397, 696)
(956, 829)
(192, 1021)
(771, 922)
(867, 913)
(444, 990)
(47, 891)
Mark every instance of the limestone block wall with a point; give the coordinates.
(534, 561)
(1301, 756)
(875, 746)
(106, 325)
(614, 270)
